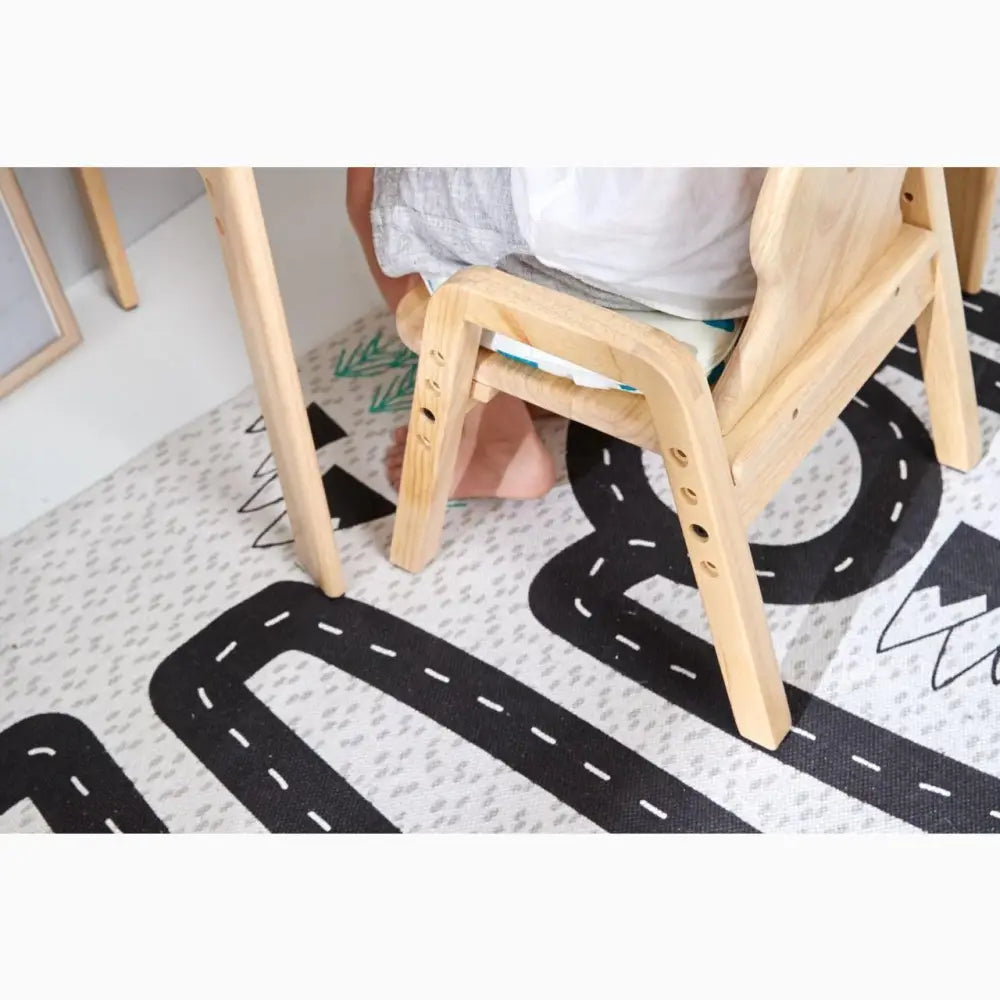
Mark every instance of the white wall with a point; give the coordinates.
(138, 375)
(142, 199)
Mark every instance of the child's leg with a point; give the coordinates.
(501, 454)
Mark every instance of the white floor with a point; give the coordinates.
(139, 375)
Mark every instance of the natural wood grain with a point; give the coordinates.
(806, 398)
(687, 432)
(941, 333)
(68, 333)
(972, 195)
(232, 193)
(815, 233)
(448, 353)
(101, 215)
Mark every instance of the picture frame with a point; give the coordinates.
(37, 325)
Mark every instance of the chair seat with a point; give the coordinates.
(711, 342)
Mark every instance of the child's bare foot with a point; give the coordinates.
(500, 455)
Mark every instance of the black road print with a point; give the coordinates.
(200, 693)
(581, 595)
(887, 523)
(985, 371)
(350, 501)
(956, 599)
(982, 317)
(59, 764)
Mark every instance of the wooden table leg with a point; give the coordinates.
(97, 203)
(971, 197)
(232, 192)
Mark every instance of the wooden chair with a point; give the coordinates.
(846, 259)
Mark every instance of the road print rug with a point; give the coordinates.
(166, 667)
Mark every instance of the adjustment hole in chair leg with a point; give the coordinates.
(434, 385)
(689, 494)
(907, 196)
(700, 532)
(424, 440)
(436, 355)
(710, 568)
(429, 414)
(680, 457)
(896, 292)
(795, 413)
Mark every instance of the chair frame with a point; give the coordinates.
(847, 260)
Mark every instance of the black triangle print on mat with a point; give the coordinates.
(888, 522)
(200, 692)
(350, 501)
(957, 599)
(59, 764)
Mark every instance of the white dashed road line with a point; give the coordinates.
(896, 511)
(865, 763)
(607, 457)
(319, 821)
(221, 656)
(649, 807)
(935, 789)
(683, 670)
(78, 785)
(382, 650)
(860, 402)
(840, 567)
(802, 732)
(603, 775)
(975, 307)
(764, 572)
(578, 604)
(597, 565)
(239, 737)
(330, 628)
(35, 751)
(111, 825)
(896, 430)
(436, 675)
(902, 468)
(277, 618)
(204, 698)
(617, 492)
(642, 543)
(626, 641)
(489, 704)
(282, 784)
(995, 814)
(907, 348)
(543, 736)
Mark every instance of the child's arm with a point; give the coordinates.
(360, 191)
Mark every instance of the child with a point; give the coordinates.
(667, 246)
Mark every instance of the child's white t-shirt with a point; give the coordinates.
(674, 239)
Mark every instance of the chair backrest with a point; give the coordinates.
(814, 235)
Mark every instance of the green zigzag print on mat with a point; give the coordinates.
(372, 358)
(397, 396)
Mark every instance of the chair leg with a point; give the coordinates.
(448, 355)
(941, 334)
(971, 195)
(97, 202)
(232, 193)
(708, 510)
